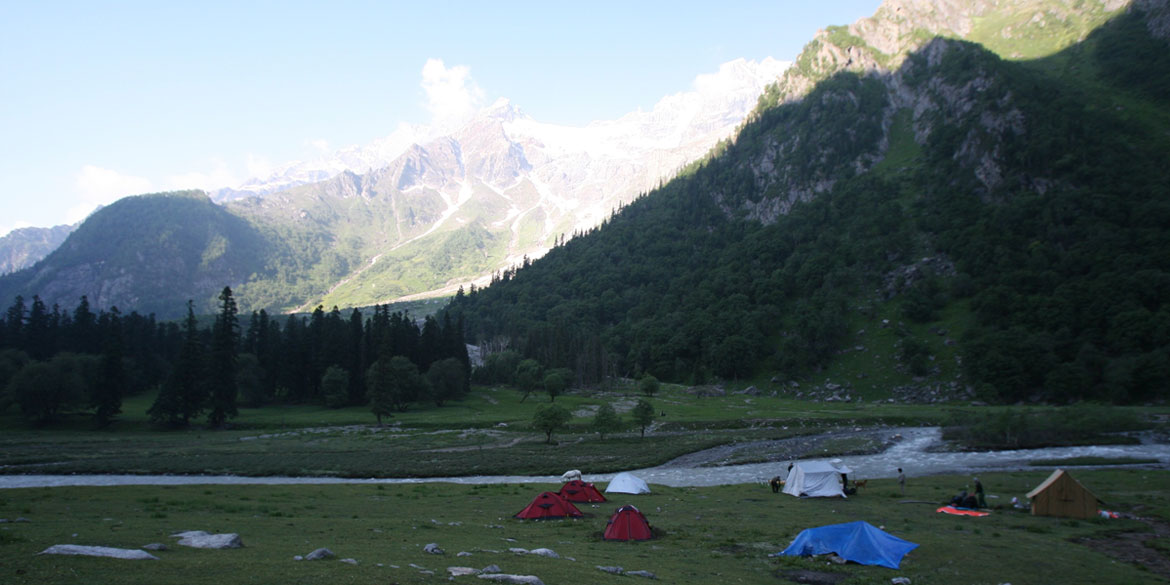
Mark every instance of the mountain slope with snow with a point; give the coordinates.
(459, 207)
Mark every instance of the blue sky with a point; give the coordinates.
(104, 99)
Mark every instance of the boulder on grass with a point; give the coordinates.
(99, 551)
(201, 539)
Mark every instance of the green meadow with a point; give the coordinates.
(705, 535)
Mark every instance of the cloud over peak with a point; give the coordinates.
(452, 96)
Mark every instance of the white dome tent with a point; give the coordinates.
(627, 483)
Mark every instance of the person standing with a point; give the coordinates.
(979, 494)
(901, 481)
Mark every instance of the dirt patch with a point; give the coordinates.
(812, 577)
(1131, 547)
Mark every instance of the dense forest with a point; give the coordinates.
(1036, 190)
(55, 362)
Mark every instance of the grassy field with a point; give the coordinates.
(487, 433)
(706, 535)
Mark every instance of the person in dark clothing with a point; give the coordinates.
(979, 499)
(775, 483)
(959, 500)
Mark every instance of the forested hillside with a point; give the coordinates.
(150, 253)
(1022, 202)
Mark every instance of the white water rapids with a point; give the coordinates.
(915, 453)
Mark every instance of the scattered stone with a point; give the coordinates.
(201, 539)
(319, 555)
(298, 558)
(99, 551)
(462, 553)
(350, 561)
(414, 566)
(614, 570)
(434, 549)
(544, 552)
(490, 569)
(513, 579)
(646, 574)
(461, 571)
(519, 551)
(155, 546)
(900, 581)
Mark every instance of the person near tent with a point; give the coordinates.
(901, 481)
(849, 491)
(979, 499)
(776, 484)
(963, 499)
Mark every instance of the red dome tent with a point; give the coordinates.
(628, 523)
(579, 491)
(549, 505)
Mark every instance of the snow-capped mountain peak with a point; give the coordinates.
(687, 122)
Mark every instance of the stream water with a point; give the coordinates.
(917, 453)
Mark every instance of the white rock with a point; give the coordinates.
(513, 579)
(99, 551)
(201, 539)
(319, 555)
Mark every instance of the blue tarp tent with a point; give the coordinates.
(859, 542)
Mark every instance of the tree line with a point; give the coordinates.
(55, 361)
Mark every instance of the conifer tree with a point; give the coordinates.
(183, 395)
(107, 390)
(222, 376)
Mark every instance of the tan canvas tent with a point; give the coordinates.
(1061, 495)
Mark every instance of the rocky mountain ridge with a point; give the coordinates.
(23, 247)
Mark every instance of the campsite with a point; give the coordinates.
(722, 533)
(717, 534)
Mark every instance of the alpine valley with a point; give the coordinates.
(947, 200)
(418, 213)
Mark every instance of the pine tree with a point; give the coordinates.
(107, 391)
(222, 376)
(183, 395)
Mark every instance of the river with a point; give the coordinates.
(917, 453)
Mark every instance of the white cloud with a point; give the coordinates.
(258, 166)
(731, 74)
(452, 96)
(97, 186)
(218, 176)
